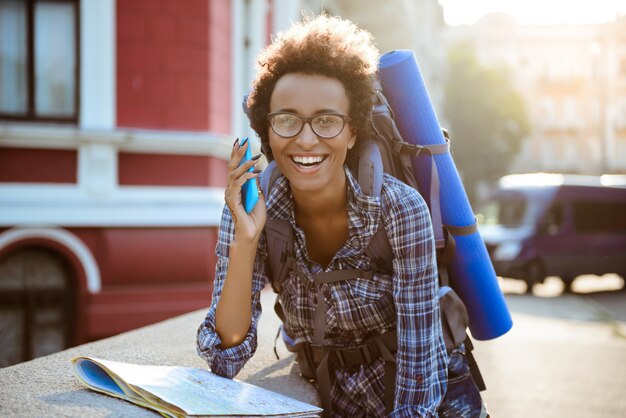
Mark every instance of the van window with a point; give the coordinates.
(554, 219)
(507, 212)
(598, 216)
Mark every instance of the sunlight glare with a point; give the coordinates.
(539, 12)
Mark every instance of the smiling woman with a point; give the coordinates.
(369, 336)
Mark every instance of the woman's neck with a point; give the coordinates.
(326, 202)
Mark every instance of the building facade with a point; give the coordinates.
(573, 79)
(116, 121)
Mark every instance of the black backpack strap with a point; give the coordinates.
(462, 230)
(328, 358)
(379, 251)
(280, 259)
(445, 256)
(434, 192)
(386, 137)
(474, 370)
(278, 234)
(388, 345)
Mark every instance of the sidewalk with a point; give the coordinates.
(47, 386)
(560, 359)
(557, 361)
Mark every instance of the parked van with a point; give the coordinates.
(539, 225)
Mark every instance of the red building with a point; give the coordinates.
(116, 120)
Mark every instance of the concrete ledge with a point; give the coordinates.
(47, 386)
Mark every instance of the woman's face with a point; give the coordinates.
(311, 163)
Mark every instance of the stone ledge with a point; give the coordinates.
(47, 386)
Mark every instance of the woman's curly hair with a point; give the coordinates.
(323, 45)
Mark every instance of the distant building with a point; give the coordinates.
(573, 78)
(399, 24)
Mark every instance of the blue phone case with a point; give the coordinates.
(249, 191)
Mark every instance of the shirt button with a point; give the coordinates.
(420, 379)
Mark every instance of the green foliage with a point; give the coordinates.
(487, 118)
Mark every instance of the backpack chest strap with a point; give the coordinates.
(323, 360)
(351, 357)
(319, 323)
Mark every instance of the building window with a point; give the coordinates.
(548, 110)
(39, 71)
(570, 108)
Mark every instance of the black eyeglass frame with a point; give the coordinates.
(305, 120)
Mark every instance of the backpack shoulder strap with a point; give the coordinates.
(279, 239)
(278, 234)
(379, 251)
(395, 152)
(370, 169)
(268, 178)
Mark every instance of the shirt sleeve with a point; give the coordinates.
(229, 361)
(421, 359)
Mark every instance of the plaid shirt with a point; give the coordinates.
(357, 309)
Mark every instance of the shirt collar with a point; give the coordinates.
(364, 212)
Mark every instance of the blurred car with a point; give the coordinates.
(539, 225)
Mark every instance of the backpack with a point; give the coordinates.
(384, 152)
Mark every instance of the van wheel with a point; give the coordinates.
(534, 274)
(567, 283)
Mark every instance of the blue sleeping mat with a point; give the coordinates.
(471, 272)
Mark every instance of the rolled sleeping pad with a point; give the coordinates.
(471, 272)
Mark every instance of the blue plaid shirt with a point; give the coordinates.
(357, 309)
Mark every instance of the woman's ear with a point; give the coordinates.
(352, 139)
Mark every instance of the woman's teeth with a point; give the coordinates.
(307, 161)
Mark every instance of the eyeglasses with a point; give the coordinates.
(324, 125)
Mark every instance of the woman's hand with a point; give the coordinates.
(248, 227)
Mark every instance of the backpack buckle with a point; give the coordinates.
(316, 353)
(408, 149)
(353, 356)
(382, 99)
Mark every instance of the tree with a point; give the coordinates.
(487, 119)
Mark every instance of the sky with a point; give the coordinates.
(459, 12)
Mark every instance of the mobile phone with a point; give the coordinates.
(249, 191)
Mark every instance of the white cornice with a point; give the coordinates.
(126, 140)
(114, 216)
(127, 206)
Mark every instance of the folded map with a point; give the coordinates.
(186, 391)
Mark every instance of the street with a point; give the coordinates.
(566, 353)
